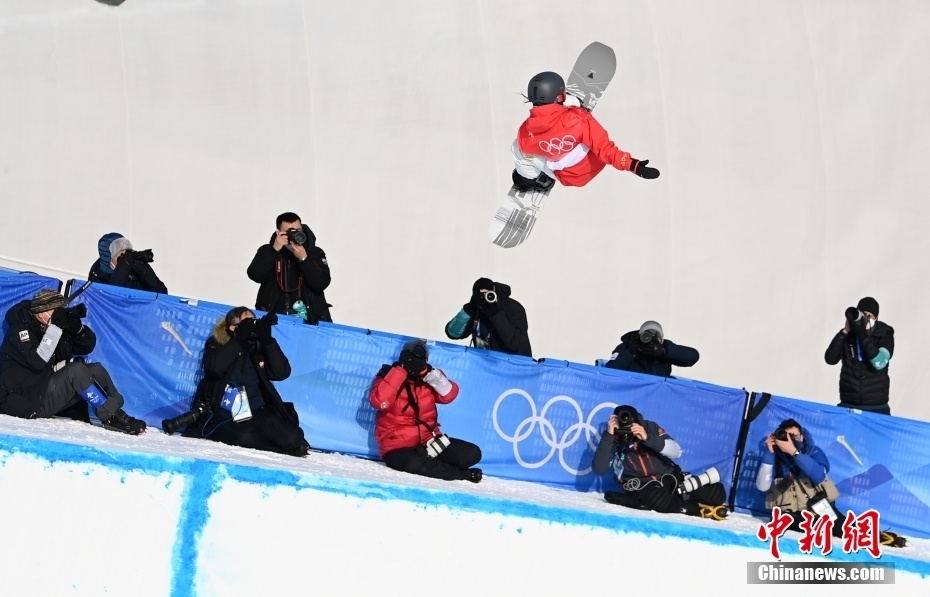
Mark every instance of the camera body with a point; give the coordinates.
(646, 337)
(79, 310)
(781, 434)
(145, 256)
(625, 420)
(296, 236)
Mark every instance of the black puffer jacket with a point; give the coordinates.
(129, 274)
(222, 356)
(24, 374)
(284, 279)
(626, 357)
(505, 331)
(861, 384)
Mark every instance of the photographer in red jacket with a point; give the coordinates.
(407, 427)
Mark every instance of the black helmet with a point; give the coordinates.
(545, 88)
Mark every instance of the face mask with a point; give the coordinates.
(870, 323)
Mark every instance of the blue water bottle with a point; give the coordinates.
(301, 309)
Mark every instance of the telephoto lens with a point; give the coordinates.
(853, 315)
(692, 482)
(183, 420)
(647, 337)
(490, 296)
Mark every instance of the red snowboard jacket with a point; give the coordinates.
(574, 144)
(395, 424)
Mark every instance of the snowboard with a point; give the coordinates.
(517, 214)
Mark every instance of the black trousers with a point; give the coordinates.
(662, 497)
(61, 393)
(266, 430)
(450, 465)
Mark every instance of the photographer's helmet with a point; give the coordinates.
(652, 327)
(417, 348)
(545, 88)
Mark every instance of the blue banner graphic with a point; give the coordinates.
(534, 421)
(877, 462)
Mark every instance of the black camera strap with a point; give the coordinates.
(412, 402)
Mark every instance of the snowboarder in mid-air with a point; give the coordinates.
(564, 143)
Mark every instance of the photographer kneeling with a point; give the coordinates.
(407, 428)
(640, 454)
(240, 360)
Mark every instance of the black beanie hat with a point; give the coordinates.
(46, 300)
(482, 284)
(868, 304)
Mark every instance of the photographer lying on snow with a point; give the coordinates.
(493, 319)
(120, 265)
(641, 454)
(648, 351)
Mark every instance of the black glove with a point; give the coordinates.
(640, 169)
(415, 367)
(245, 333)
(68, 320)
(652, 349)
(489, 309)
(263, 328)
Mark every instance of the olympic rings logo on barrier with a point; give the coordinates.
(556, 444)
(556, 146)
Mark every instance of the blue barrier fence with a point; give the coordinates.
(535, 421)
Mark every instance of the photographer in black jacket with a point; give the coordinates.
(493, 319)
(641, 456)
(39, 375)
(648, 351)
(120, 265)
(240, 361)
(292, 272)
(865, 345)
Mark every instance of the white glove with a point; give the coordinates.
(438, 381)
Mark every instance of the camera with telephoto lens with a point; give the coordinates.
(625, 420)
(296, 236)
(854, 315)
(647, 336)
(436, 445)
(183, 420)
(781, 434)
(692, 482)
(490, 296)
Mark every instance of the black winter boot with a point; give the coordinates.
(123, 423)
(473, 474)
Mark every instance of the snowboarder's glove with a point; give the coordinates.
(640, 169)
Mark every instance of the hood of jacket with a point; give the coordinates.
(20, 313)
(502, 290)
(311, 238)
(629, 337)
(221, 332)
(544, 118)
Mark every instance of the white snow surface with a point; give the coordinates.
(110, 524)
